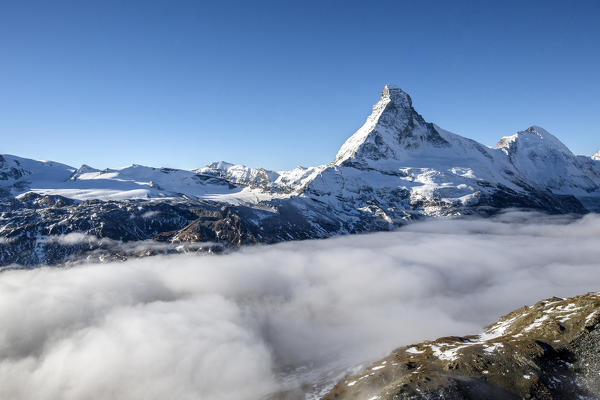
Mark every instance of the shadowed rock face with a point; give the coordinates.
(547, 351)
(41, 229)
(393, 127)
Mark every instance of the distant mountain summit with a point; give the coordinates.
(596, 156)
(545, 161)
(533, 138)
(395, 168)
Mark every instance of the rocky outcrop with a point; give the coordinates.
(550, 350)
(41, 229)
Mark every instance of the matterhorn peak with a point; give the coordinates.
(393, 128)
(394, 94)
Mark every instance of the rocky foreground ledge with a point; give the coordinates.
(547, 351)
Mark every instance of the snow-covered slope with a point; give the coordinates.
(19, 176)
(396, 161)
(13, 168)
(397, 164)
(596, 156)
(544, 161)
(137, 181)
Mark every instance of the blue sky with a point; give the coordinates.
(279, 84)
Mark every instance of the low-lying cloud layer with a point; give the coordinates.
(267, 320)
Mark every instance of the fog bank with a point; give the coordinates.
(267, 319)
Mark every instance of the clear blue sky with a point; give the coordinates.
(279, 84)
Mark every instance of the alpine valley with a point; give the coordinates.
(396, 168)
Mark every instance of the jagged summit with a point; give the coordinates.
(397, 96)
(392, 128)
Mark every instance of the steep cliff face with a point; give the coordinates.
(550, 350)
(393, 129)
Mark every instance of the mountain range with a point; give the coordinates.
(394, 169)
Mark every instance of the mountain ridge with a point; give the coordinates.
(544, 351)
(391, 130)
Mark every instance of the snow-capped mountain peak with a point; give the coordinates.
(533, 139)
(397, 96)
(393, 128)
(544, 161)
(596, 156)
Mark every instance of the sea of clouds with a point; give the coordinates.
(277, 321)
